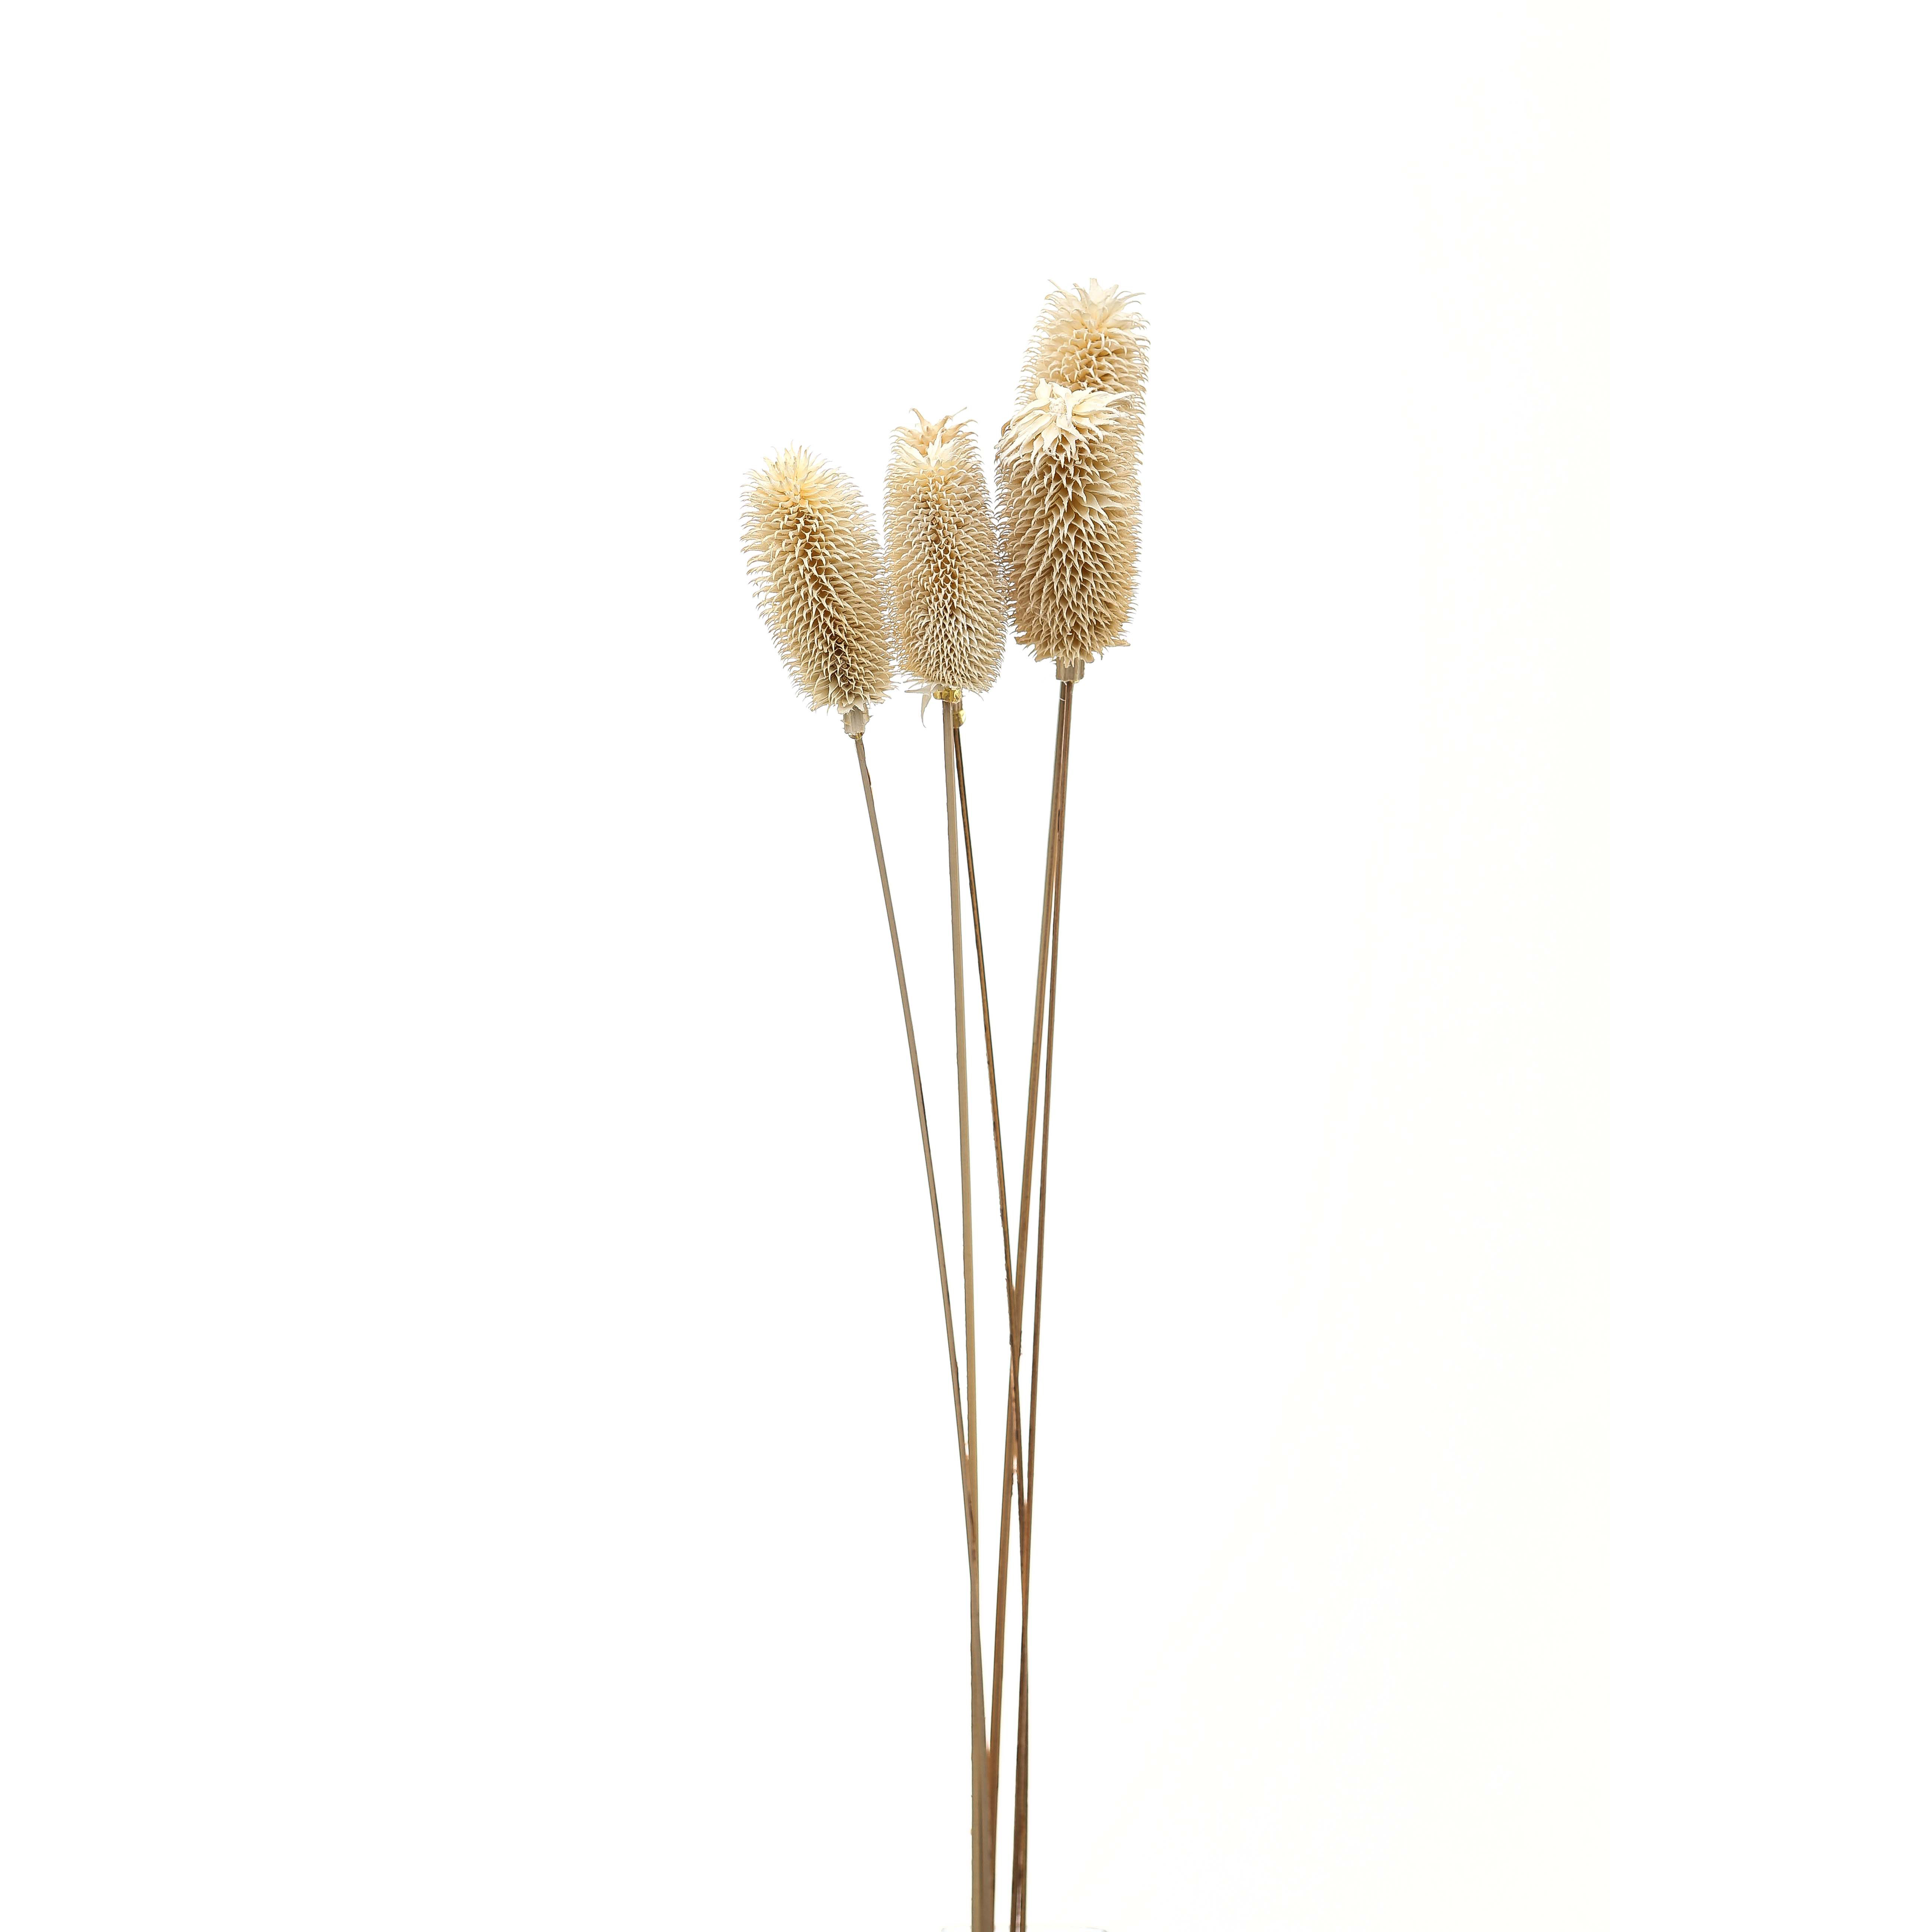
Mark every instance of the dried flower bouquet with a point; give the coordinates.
(1060, 560)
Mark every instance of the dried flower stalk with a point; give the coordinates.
(817, 573)
(1067, 468)
(942, 558)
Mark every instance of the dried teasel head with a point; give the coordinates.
(1067, 468)
(817, 574)
(942, 558)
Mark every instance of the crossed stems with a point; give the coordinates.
(1017, 1481)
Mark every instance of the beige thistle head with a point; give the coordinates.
(817, 574)
(942, 558)
(1068, 472)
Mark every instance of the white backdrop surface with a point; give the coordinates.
(474, 1438)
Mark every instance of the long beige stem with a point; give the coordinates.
(983, 1885)
(1023, 1728)
(1013, 1474)
(1019, 1311)
(1010, 1459)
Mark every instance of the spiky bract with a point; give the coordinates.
(1068, 473)
(817, 575)
(942, 558)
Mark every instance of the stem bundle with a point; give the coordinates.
(1021, 1441)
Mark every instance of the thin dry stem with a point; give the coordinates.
(1010, 1457)
(983, 1877)
(1006, 1249)
(1053, 811)
(1023, 1737)
(965, 1136)
(1013, 1474)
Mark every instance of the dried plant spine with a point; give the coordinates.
(1067, 469)
(943, 559)
(817, 572)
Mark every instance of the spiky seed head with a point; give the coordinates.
(816, 571)
(1067, 468)
(942, 558)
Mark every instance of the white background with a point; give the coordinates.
(474, 1447)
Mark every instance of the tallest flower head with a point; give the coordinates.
(1068, 474)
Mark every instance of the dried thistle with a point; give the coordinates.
(1068, 472)
(942, 558)
(816, 572)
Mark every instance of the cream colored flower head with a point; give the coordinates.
(943, 558)
(1067, 468)
(1055, 412)
(817, 574)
